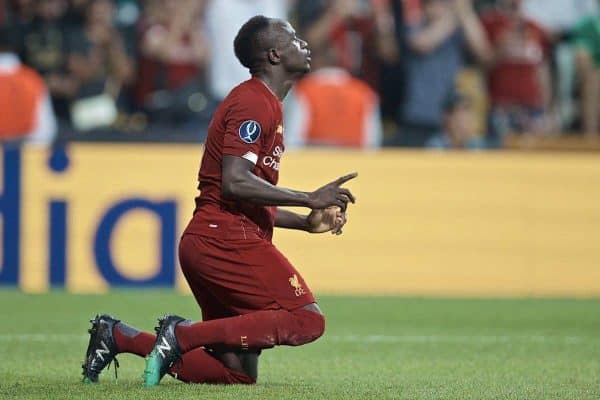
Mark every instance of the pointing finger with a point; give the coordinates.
(341, 180)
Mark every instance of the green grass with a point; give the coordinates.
(374, 348)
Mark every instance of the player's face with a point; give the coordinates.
(294, 52)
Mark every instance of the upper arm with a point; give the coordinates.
(246, 125)
(233, 169)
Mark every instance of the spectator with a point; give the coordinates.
(44, 49)
(559, 17)
(174, 55)
(458, 126)
(99, 62)
(26, 108)
(518, 78)
(391, 73)
(223, 19)
(350, 30)
(586, 37)
(332, 108)
(17, 13)
(435, 55)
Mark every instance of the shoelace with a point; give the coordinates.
(116, 362)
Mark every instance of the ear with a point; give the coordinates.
(274, 57)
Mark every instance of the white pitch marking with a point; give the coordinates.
(456, 339)
(42, 337)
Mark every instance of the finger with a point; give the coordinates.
(339, 223)
(343, 179)
(336, 228)
(341, 204)
(343, 197)
(348, 193)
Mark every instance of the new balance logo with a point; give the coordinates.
(164, 346)
(100, 352)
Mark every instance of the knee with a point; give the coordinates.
(311, 327)
(319, 326)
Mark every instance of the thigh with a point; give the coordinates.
(243, 275)
(209, 304)
(281, 281)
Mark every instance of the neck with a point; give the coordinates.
(279, 84)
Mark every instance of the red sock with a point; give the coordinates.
(258, 330)
(197, 366)
(194, 367)
(130, 340)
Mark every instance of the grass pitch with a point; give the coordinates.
(374, 348)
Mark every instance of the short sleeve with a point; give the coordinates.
(247, 122)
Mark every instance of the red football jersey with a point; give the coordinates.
(515, 78)
(247, 124)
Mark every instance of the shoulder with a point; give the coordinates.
(248, 98)
(362, 89)
(537, 28)
(31, 77)
(247, 92)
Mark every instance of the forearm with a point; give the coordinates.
(291, 220)
(475, 36)
(249, 187)
(238, 182)
(319, 31)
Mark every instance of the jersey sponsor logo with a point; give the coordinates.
(295, 282)
(249, 131)
(272, 161)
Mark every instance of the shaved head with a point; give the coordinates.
(252, 42)
(264, 44)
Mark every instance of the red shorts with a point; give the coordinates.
(239, 276)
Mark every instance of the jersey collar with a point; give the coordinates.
(267, 87)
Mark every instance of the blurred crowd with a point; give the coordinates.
(419, 73)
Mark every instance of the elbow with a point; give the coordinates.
(228, 190)
(232, 189)
(486, 57)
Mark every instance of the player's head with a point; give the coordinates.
(265, 43)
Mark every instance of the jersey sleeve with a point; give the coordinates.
(247, 122)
